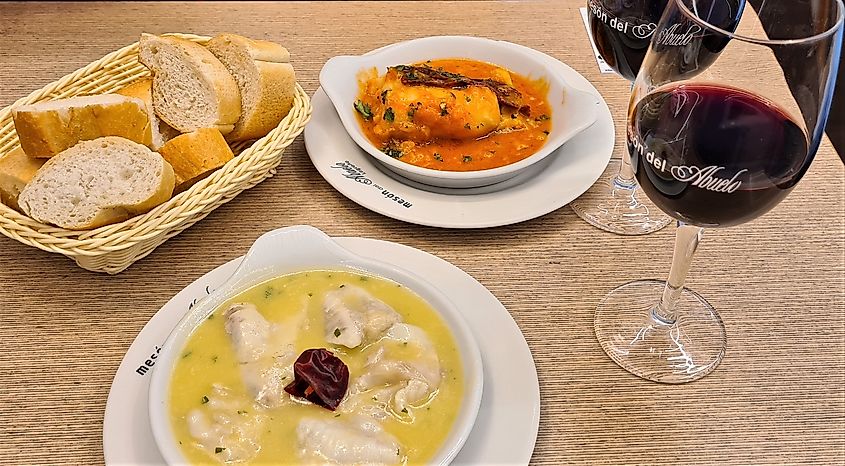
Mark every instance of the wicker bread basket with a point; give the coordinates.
(113, 248)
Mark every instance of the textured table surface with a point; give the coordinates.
(778, 396)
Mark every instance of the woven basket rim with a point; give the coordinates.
(163, 218)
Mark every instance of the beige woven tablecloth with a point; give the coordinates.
(778, 396)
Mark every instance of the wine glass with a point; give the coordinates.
(621, 30)
(718, 134)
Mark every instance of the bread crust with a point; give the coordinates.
(196, 155)
(143, 89)
(262, 50)
(16, 170)
(47, 128)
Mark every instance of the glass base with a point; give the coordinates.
(617, 208)
(647, 347)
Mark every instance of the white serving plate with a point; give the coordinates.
(543, 188)
(573, 110)
(302, 248)
(508, 420)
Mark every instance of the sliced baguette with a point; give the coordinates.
(191, 88)
(47, 128)
(16, 170)
(143, 89)
(196, 155)
(97, 182)
(266, 80)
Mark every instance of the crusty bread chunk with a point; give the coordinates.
(196, 155)
(266, 80)
(143, 89)
(191, 88)
(97, 182)
(47, 128)
(16, 170)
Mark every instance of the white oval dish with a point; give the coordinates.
(300, 248)
(573, 110)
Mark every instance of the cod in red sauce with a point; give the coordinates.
(454, 114)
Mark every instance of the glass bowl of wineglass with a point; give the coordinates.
(722, 125)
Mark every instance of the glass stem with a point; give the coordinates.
(625, 177)
(686, 242)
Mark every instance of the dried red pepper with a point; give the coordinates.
(320, 377)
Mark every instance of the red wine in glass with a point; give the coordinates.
(715, 142)
(713, 155)
(621, 30)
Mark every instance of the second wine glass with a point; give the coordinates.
(621, 30)
(725, 118)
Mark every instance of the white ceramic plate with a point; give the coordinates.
(573, 110)
(508, 420)
(294, 249)
(559, 179)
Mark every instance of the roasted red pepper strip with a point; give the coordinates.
(320, 377)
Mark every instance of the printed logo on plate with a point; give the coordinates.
(358, 175)
(150, 361)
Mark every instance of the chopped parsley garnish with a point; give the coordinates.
(543, 117)
(310, 294)
(384, 96)
(341, 286)
(204, 399)
(453, 95)
(469, 99)
(443, 110)
(438, 157)
(412, 109)
(211, 317)
(240, 411)
(214, 359)
(388, 115)
(393, 152)
(546, 132)
(467, 158)
(337, 332)
(218, 449)
(405, 410)
(467, 126)
(187, 354)
(364, 109)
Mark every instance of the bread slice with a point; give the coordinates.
(266, 80)
(191, 88)
(143, 89)
(47, 128)
(97, 182)
(196, 155)
(16, 170)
